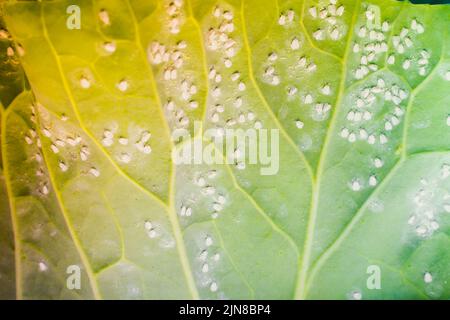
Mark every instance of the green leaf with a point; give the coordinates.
(13, 80)
(358, 93)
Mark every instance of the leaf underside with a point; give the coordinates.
(359, 92)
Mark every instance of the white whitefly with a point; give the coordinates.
(427, 277)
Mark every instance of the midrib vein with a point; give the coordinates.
(173, 218)
(301, 290)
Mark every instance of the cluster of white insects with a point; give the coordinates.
(235, 111)
(10, 50)
(171, 58)
(371, 46)
(216, 200)
(236, 115)
(33, 140)
(219, 40)
(157, 232)
(319, 103)
(404, 42)
(174, 10)
(61, 143)
(332, 26)
(207, 257)
(429, 203)
(207, 194)
(139, 143)
(362, 112)
(86, 81)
